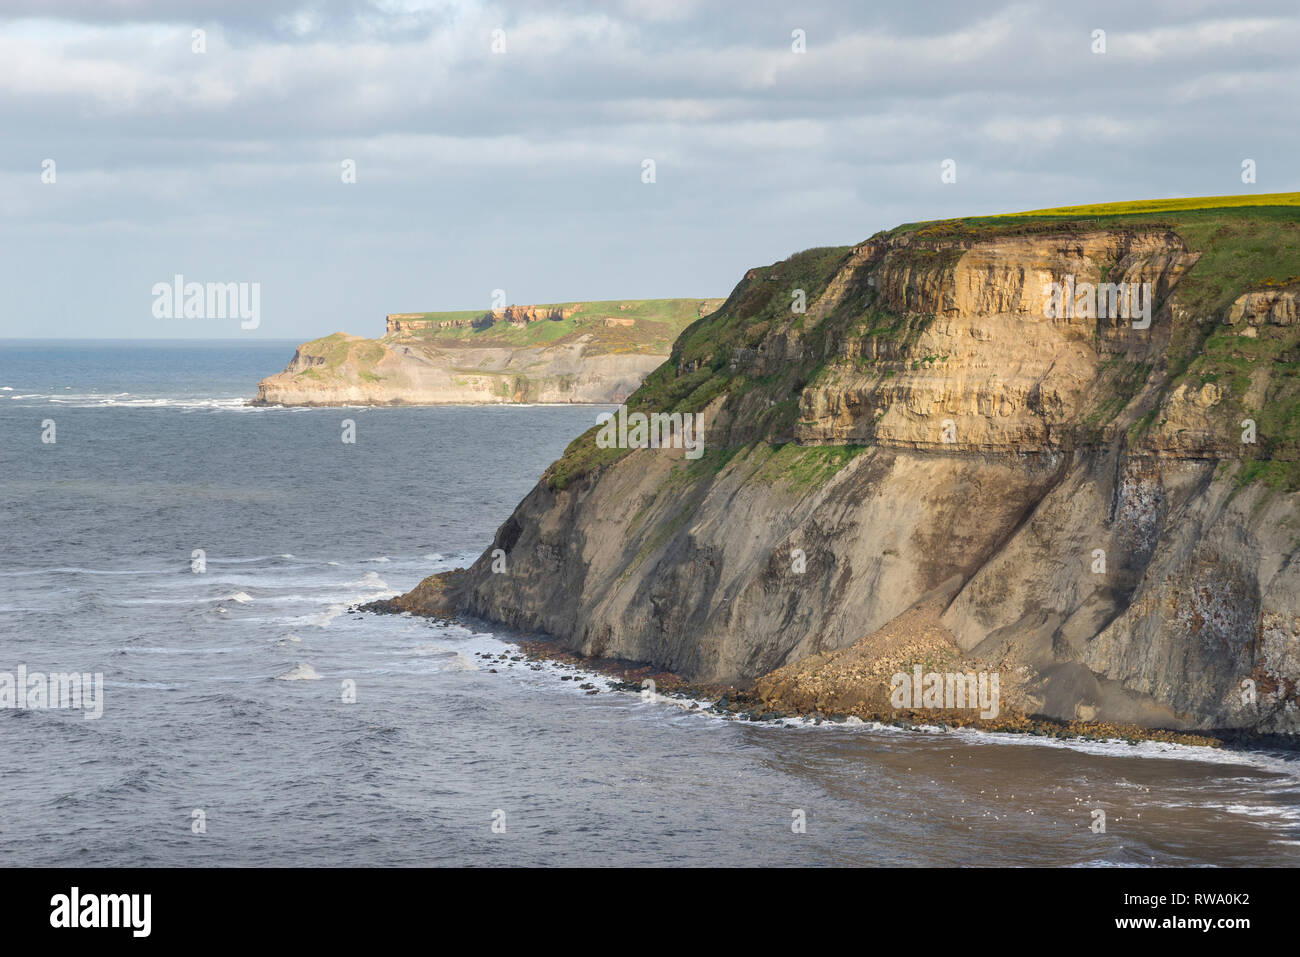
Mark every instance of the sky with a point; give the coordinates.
(503, 146)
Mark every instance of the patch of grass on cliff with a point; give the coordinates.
(618, 327)
(582, 457)
(715, 356)
(1259, 379)
(338, 348)
(804, 467)
(1276, 475)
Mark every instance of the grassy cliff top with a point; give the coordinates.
(1097, 215)
(616, 325)
(1246, 243)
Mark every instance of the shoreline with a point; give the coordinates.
(745, 705)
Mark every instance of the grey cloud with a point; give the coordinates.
(522, 170)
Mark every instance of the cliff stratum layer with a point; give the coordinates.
(930, 465)
(596, 352)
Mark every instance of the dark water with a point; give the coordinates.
(155, 457)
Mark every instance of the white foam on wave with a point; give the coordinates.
(1142, 749)
(81, 571)
(322, 619)
(371, 580)
(126, 400)
(449, 659)
(303, 672)
(242, 597)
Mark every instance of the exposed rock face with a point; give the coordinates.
(1277, 307)
(1065, 511)
(516, 315)
(990, 362)
(407, 373)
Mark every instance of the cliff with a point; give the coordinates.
(1062, 446)
(572, 352)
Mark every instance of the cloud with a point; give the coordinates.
(473, 163)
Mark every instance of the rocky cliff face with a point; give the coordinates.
(398, 323)
(1074, 499)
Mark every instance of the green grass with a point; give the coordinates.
(340, 348)
(1169, 205)
(806, 467)
(655, 323)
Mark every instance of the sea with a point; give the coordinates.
(205, 556)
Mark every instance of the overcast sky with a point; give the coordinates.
(522, 170)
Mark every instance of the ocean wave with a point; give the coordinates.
(303, 672)
(322, 619)
(127, 400)
(1163, 750)
(82, 571)
(133, 649)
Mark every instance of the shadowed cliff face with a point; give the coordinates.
(1069, 495)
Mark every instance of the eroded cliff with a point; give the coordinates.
(1101, 507)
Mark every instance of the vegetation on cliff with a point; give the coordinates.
(613, 326)
(750, 360)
